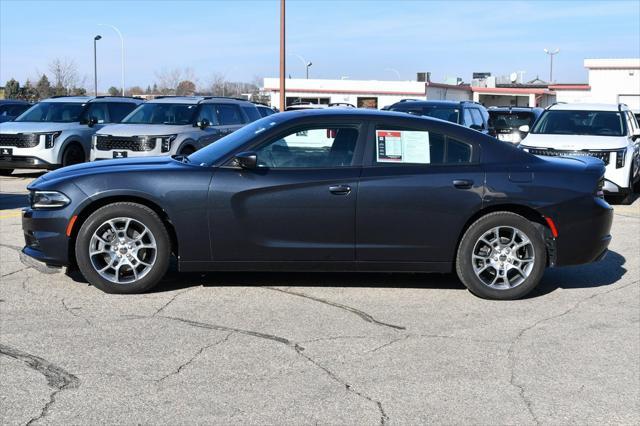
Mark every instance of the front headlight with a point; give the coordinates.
(48, 138)
(165, 142)
(620, 157)
(48, 199)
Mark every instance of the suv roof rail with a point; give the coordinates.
(333, 104)
(224, 97)
(555, 103)
(68, 96)
(118, 96)
(409, 100)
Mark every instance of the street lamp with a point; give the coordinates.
(95, 65)
(308, 66)
(121, 50)
(551, 53)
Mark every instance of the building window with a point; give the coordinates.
(368, 102)
(291, 100)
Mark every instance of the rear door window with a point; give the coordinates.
(208, 112)
(251, 112)
(229, 114)
(408, 146)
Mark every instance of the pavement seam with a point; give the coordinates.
(57, 378)
(384, 418)
(193, 358)
(363, 315)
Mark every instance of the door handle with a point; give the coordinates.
(462, 183)
(340, 189)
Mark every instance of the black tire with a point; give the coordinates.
(6, 172)
(143, 215)
(73, 154)
(465, 265)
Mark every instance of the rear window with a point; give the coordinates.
(442, 112)
(590, 123)
(509, 120)
(265, 112)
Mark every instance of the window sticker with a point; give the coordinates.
(402, 146)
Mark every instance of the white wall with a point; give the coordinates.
(448, 94)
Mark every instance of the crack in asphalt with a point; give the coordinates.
(405, 337)
(14, 272)
(70, 310)
(175, 296)
(193, 358)
(384, 418)
(511, 352)
(57, 378)
(363, 315)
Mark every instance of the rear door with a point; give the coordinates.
(298, 205)
(417, 189)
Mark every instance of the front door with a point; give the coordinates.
(297, 205)
(415, 194)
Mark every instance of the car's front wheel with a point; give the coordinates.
(6, 172)
(123, 248)
(501, 256)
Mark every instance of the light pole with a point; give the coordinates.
(551, 54)
(95, 65)
(395, 71)
(282, 56)
(121, 50)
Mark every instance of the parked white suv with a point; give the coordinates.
(608, 132)
(57, 131)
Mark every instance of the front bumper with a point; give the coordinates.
(45, 237)
(25, 162)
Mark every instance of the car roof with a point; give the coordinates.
(117, 99)
(217, 99)
(71, 99)
(588, 107)
(176, 100)
(13, 101)
(435, 103)
(516, 109)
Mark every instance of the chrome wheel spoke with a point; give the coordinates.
(122, 250)
(510, 249)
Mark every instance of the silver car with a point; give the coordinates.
(57, 131)
(172, 125)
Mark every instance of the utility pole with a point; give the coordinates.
(95, 65)
(551, 54)
(282, 56)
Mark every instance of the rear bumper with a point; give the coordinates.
(584, 230)
(26, 162)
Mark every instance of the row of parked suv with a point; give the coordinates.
(69, 130)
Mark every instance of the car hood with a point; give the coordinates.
(574, 142)
(108, 166)
(13, 127)
(144, 129)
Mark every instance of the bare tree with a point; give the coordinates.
(218, 85)
(65, 74)
(169, 79)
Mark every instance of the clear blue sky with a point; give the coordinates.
(359, 39)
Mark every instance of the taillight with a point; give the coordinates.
(600, 187)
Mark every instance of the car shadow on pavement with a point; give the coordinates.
(605, 272)
(9, 201)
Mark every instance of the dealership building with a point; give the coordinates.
(609, 81)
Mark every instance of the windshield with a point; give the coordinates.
(53, 112)
(215, 151)
(443, 113)
(161, 113)
(509, 120)
(593, 123)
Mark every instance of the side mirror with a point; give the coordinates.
(247, 160)
(203, 124)
(92, 121)
(524, 129)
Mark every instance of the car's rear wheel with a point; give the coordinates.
(73, 154)
(6, 172)
(501, 256)
(123, 248)
(187, 150)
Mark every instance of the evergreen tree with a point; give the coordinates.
(12, 89)
(43, 88)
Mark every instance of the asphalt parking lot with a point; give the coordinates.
(249, 348)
